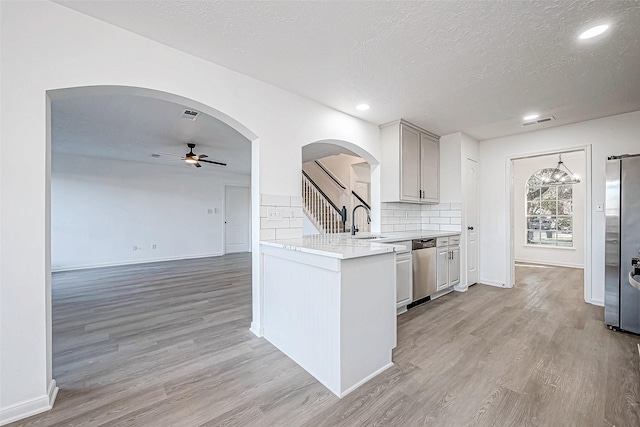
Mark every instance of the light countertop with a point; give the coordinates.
(343, 246)
(397, 236)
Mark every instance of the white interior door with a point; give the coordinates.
(362, 190)
(237, 219)
(471, 214)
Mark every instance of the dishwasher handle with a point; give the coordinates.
(423, 244)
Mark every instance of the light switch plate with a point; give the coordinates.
(274, 213)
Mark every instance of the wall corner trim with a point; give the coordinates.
(256, 330)
(597, 302)
(31, 407)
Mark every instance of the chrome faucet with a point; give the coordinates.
(353, 218)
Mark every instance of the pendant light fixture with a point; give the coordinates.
(561, 175)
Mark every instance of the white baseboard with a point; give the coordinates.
(256, 329)
(492, 283)
(141, 261)
(364, 380)
(555, 264)
(597, 302)
(29, 408)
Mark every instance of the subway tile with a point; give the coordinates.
(451, 214)
(267, 234)
(296, 201)
(413, 227)
(278, 223)
(288, 233)
(446, 227)
(426, 208)
(456, 220)
(439, 220)
(399, 227)
(400, 214)
(386, 228)
(393, 220)
(428, 214)
(263, 211)
(430, 227)
(415, 214)
(443, 206)
(456, 206)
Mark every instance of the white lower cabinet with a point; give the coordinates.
(448, 262)
(404, 278)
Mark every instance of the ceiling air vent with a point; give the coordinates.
(155, 155)
(190, 114)
(539, 121)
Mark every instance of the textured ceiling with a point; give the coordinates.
(131, 128)
(472, 66)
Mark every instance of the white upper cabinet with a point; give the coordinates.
(410, 164)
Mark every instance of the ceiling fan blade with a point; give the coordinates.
(215, 163)
(170, 155)
(202, 156)
(198, 165)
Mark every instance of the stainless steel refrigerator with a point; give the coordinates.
(622, 246)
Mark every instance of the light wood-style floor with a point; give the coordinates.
(167, 344)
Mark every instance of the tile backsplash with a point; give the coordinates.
(393, 216)
(411, 217)
(288, 225)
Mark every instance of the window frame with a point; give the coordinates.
(552, 215)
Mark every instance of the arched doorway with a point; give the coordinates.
(338, 176)
(60, 95)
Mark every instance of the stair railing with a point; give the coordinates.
(322, 212)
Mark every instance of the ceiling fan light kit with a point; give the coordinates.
(192, 158)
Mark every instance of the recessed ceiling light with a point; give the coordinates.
(531, 117)
(594, 31)
(362, 107)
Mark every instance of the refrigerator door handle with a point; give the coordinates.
(633, 282)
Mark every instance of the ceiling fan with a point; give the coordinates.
(192, 158)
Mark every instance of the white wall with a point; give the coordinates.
(46, 46)
(607, 136)
(522, 170)
(101, 209)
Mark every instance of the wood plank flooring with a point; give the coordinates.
(168, 344)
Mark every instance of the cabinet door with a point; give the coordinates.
(404, 279)
(429, 168)
(442, 270)
(454, 266)
(409, 164)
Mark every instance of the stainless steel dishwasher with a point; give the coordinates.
(424, 268)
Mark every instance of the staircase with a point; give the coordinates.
(321, 211)
(322, 193)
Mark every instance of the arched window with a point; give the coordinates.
(549, 212)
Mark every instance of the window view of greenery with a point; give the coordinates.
(549, 212)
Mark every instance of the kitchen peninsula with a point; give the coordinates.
(329, 304)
